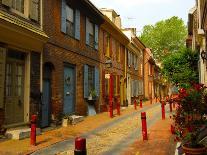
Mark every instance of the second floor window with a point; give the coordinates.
(18, 5)
(92, 32)
(70, 21)
(25, 8)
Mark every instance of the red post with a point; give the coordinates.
(170, 103)
(140, 103)
(33, 130)
(172, 129)
(111, 96)
(163, 110)
(135, 104)
(144, 125)
(80, 146)
(118, 106)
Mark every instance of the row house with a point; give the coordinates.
(134, 66)
(21, 48)
(113, 54)
(71, 59)
(149, 65)
(197, 26)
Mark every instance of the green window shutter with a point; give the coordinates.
(34, 10)
(63, 16)
(86, 93)
(77, 24)
(7, 2)
(2, 75)
(97, 81)
(87, 31)
(96, 36)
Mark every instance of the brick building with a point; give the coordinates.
(134, 66)
(149, 64)
(71, 59)
(21, 47)
(113, 54)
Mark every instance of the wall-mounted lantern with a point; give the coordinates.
(204, 55)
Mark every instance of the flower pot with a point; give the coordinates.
(201, 150)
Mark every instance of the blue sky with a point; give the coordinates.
(137, 13)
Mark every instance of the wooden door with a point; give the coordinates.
(14, 91)
(69, 90)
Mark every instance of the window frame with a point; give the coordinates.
(68, 21)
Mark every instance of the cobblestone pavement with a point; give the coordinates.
(114, 139)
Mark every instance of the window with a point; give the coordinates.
(118, 50)
(91, 80)
(91, 34)
(92, 31)
(18, 5)
(25, 8)
(70, 21)
(107, 40)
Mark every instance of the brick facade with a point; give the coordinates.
(62, 49)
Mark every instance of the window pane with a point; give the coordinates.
(18, 5)
(69, 28)
(91, 28)
(69, 14)
(91, 76)
(91, 40)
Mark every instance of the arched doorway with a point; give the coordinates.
(46, 94)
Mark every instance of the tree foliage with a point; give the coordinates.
(181, 67)
(165, 37)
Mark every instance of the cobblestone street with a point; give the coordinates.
(113, 138)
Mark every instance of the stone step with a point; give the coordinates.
(21, 133)
(74, 119)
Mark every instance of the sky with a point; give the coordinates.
(137, 13)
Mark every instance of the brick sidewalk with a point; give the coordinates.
(51, 137)
(161, 141)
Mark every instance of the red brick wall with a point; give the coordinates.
(64, 49)
(116, 69)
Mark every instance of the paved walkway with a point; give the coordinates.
(90, 124)
(161, 141)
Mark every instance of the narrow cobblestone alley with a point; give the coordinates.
(111, 139)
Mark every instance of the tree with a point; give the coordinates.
(181, 67)
(165, 37)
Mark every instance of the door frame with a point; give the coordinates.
(26, 87)
(66, 64)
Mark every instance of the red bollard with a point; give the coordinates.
(118, 107)
(172, 129)
(170, 106)
(173, 105)
(163, 110)
(135, 104)
(80, 146)
(140, 103)
(144, 125)
(33, 130)
(111, 109)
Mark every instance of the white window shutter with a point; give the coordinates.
(34, 10)
(63, 16)
(7, 2)
(2, 75)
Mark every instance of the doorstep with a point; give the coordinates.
(20, 133)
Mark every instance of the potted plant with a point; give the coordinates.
(92, 95)
(190, 117)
